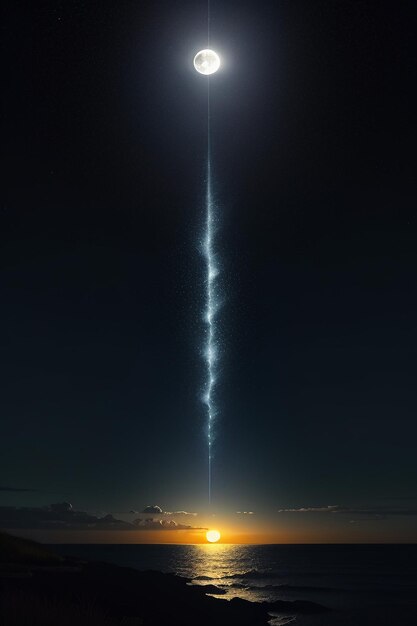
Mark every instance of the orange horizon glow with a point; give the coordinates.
(198, 537)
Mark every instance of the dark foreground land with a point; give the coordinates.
(38, 588)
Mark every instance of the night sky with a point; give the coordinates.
(101, 276)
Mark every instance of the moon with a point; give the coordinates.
(212, 536)
(206, 62)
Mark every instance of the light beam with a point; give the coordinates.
(211, 307)
(206, 62)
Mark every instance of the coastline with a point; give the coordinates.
(125, 595)
(39, 587)
(43, 586)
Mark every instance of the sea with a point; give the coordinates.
(359, 584)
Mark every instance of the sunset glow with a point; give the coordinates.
(212, 536)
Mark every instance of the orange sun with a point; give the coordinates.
(212, 536)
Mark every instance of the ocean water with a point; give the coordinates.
(359, 584)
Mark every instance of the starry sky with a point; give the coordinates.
(101, 290)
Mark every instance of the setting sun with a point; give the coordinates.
(212, 536)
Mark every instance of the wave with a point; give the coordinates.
(249, 575)
(255, 574)
(282, 587)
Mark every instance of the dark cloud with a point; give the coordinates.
(61, 507)
(61, 515)
(17, 489)
(371, 513)
(55, 516)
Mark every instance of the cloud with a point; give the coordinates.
(312, 509)
(62, 515)
(245, 513)
(372, 513)
(153, 510)
(178, 513)
(156, 510)
(162, 524)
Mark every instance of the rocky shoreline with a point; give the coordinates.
(61, 592)
(127, 596)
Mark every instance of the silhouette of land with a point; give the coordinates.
(38, 587)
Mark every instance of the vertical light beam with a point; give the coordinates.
(211, 293)
(211, 304)
(211, 273)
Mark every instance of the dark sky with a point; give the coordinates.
(104, 147)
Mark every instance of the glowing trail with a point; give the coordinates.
(208, 62)
(211, 307)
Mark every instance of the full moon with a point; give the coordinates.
(212, 536)
(206, 62)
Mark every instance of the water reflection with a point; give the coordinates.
(334, 576)
(221, 565)
(214, 561)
